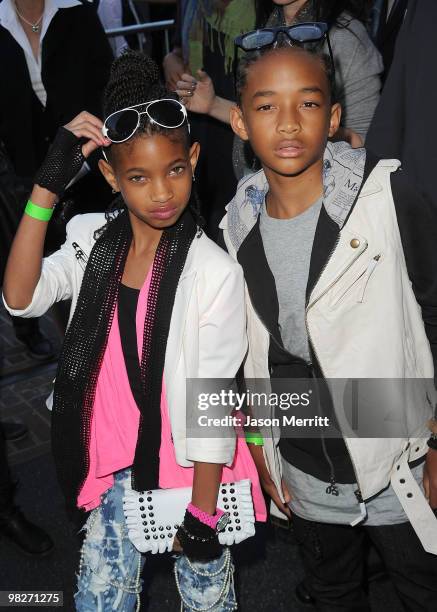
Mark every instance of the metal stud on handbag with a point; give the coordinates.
(153, 517)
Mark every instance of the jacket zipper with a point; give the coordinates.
(80, 255)
(368, 273)
(332, 488)
(266, 328)
(281, 347)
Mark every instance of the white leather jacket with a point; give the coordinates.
(363, 321)
(207, 336)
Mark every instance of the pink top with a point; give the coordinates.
(114, 429)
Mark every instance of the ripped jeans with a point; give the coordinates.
(110, 568)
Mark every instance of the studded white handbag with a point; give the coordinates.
(153, 517)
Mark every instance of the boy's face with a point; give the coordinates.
(286, 111)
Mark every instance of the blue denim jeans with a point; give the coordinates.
(110, 567)
(206, 586)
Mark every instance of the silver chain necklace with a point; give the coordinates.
(35, 26)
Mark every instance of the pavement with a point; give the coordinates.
(268, 566)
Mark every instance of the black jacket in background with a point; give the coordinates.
(76, 59)
(405, 123)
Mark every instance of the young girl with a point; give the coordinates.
(154, 302)
(336, 249)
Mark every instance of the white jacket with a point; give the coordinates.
(364, 322)
(207, 336)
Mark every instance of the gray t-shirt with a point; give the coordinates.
(310, 500)
(287, 245)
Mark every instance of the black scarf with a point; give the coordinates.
(85, 343)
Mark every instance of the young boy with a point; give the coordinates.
(338, 253)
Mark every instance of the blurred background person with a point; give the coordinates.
(386, 19)
(13, 524)
(55, 63)
(204, 49)
(405, 126)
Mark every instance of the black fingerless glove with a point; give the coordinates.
(199, 541)
(63, 161)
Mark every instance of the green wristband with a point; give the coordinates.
(38, 212)
(254, 438)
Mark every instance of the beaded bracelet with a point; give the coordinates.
(210, 520)
(38, 212)
(196, 537)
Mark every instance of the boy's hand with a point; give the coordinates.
(430, 478)
(267, 483)
(272, 491)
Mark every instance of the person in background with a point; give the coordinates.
(55, 62)
(386, 20)
(13, 524)
(204, 52)
(111, 15)
(404, 125)
(120, 13)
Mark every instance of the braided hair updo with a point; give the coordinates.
(135, 79)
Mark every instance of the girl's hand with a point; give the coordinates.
(86, 125)
(432, 425)
(174, 67)
(267, 483)
(197, 95)
(68, 151)
(177, 545)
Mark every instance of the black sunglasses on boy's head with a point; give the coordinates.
(307, 35)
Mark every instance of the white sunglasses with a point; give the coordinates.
(122, 125)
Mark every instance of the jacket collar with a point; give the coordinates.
(251, 255)
(10, 21)
(343, 169)
(260, 281)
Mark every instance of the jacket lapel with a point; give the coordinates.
(325, 240)
(328, 232)
(55, 36)
(260, 282)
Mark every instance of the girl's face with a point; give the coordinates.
(154, 175)
(286, 111)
